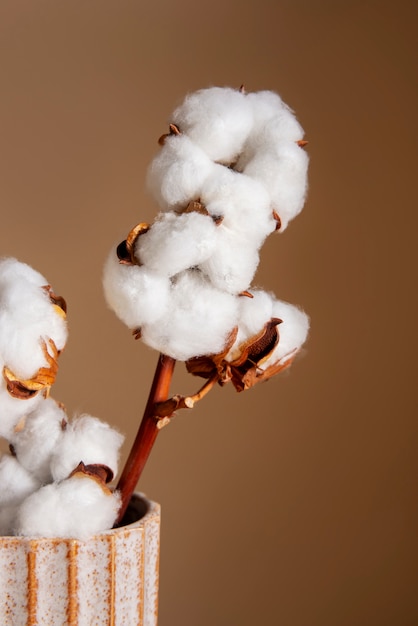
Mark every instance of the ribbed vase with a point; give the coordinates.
(111, 579)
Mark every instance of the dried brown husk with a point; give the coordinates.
(100, 472)
(246, 369)
(43, 379)
(126, 249)
(59, 303)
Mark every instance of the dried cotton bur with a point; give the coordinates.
(54, 481)
(231, 170)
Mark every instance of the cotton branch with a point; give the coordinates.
(147, 432)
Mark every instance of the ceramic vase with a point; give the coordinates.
(109, 580)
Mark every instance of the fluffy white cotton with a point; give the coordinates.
(178, 172)
(283, 172)
(253, 314)
(136, 294)
(293, 331)
(217, 119)
(15, 481)
(177, 242)
(243, 203)
(15, 485)
(271, 112)
(247, 219)
(13, 411)
(89, 440)
(199, 322)
(27, 316)
(234, 264)
(237, 154)
(256, 312)
(77, 507)
(37, 441)
(256, 132)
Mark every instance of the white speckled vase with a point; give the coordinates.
(110, 579)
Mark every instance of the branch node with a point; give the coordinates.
(163, 421)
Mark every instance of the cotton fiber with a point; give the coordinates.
(230, 172)
(77, 507)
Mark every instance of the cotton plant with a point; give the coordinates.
(230, 171)
(55, 480)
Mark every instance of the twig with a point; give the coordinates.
(147, 433)
(163, 409)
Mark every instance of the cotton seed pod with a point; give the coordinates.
(252, 357)
(88, 440)
(77, 507)
(38, 439)
(217, 119)
(33, 328)
(198, 320)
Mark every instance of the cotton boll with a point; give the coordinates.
(233, 266)
(247, 218)
(136, 294)
(271, 112)
(253, 314)
(177, 242)
(293, 331)
(217, 119)
(15, 485)
(27, 316)
(284, 175)
(256, 312)
(15, 481)
(14, 271)
(199, 321)
(178, 172)
(86, 439)
(36, 442)
(76, 508)
(242, 202)
(13, 411)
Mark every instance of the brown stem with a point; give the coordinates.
(147, 433)
(168, 407)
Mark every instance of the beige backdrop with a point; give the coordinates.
(293, 504)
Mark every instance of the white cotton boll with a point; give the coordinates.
(89, 440)
(271, 112)
(136, 294)
(199, 322)
(293, 331)
(27, 316)
(177, 242)
(37, 441)
(16, 483)
(242, 202)
(178, 172)
(234, 264)
(253, 313)
(283, 172)
(256, 312)
(217, 119)
(76, 508)
(13, 411)
(14, 271)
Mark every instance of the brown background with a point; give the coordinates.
(293, 504)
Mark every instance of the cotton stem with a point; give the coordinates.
(168, 407)
(147, 432)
